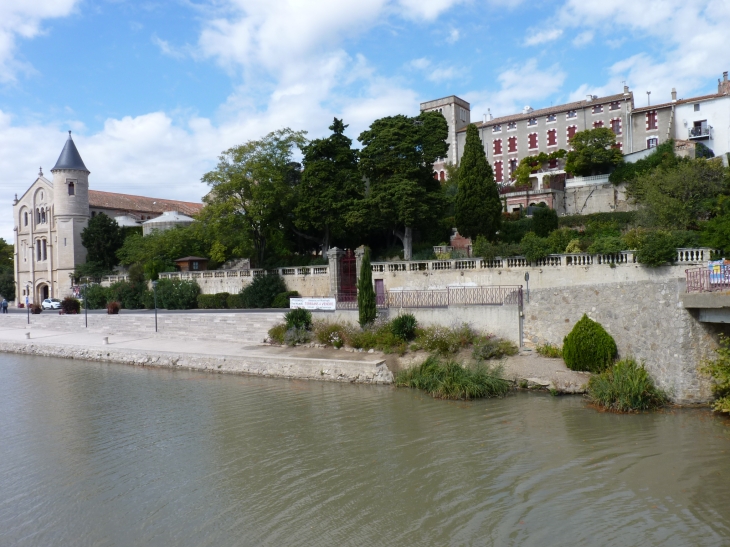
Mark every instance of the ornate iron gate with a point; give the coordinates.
(348, 278)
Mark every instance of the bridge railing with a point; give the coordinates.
(708, 280)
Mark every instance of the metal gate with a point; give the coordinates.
(347, 291)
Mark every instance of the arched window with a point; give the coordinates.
(43, 216)
(442, 176)
(37, 216)
(45, 255)
(25, 218)
(38, 251)
(71, 189)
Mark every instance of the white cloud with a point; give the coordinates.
(454, 36)
(542, 37)
(691, 37)
(520, 85)
(583, 38)
(23, 19)
(166, 48)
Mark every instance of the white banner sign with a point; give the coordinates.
(313, 303)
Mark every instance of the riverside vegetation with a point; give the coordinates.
(719, 371)
(440, 375)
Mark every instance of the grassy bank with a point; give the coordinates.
(451, 380)
(626, 387)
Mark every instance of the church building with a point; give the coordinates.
(50, 216)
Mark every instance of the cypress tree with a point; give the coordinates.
(478, 209)
(365, 292)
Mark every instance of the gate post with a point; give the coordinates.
(334, 255)
(359, 253)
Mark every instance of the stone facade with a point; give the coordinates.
(458, 115)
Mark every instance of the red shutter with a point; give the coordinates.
(497, 146)
(597, 124)
(498, 175)
(532, 140)
(572, 130)
(552, 137)
(512, 144)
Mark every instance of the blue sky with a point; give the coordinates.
(154, 91)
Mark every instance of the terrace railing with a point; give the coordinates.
(706, 280)
(495, 295)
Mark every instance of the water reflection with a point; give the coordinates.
(113, 455)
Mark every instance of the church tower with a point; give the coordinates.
(70, 209)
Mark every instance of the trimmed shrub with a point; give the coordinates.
(95, 297)
(282, 299)
(404, 326)
(588, 347)
(277, 333)
(493, 348)
(112, 308)
(217, 301)
(177, 294)
(544, 221)
(627, 387)
(656, 249)
(235, 302)
(298, 319)
(70, 305)
(262, 291)
(450, 380)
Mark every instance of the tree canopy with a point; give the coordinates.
(594, 152)
(331, 185)
(478, 208)
(102, 238)
(397, 160)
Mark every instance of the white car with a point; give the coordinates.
(51, 304)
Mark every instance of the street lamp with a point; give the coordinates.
(154, 292)
(27, 301)
(86, 303)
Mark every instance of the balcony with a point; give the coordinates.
(699, 133)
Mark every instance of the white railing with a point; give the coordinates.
(308, 270)
(586, 181)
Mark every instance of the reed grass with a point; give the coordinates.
(450, 380)
(626, 387)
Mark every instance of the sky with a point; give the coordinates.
(154, 91)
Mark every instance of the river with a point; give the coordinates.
(113, 455)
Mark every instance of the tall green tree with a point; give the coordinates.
(330, 186)
(255, 182)
(478, 209)
(102, 238)
(366, 305)
(397, 161)
(594, 152)
(7, 275)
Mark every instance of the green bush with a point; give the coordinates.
(262, 291)
(573, 247)
(70, 305)
(298, 319)
(234, 302)
(376, 337)
(444, 340)
(719, 370)
(607, 245)
(130, 294)
(404, 327)
(282, 299)
(95, 297)
(534, 248)
(331, 334)
(588, 347)
(514, 231)
(656, 249)
(294, 336)
(544, 221)
(217, 301)
(177, 294)
(627, 387)
(548, 350)
(277, 333)
(559, 239)
(450, 380)
(489, 347)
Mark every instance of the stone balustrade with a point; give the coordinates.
(284, 272)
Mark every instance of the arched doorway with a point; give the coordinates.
(43, 292)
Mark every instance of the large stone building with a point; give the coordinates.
(50, 216)
(508, 139)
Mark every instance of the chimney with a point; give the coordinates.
(485, 118)
(674, 95)
(589, 98)
(489, 114)
(723, 87)
(626, 90)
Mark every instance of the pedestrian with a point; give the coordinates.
(5, 305)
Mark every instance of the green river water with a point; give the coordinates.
(111, 455)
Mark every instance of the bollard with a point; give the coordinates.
(105, 340)
(27, 336)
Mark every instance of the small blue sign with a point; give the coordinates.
(26, 300)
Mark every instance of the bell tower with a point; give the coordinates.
(70, 210)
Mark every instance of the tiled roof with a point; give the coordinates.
(680, 101)
(551, 110)
(142, 204)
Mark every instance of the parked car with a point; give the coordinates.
(51, 304)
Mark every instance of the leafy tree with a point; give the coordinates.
(330, 185)
(534, 248)
(366, 305)
(254, 184)
(662, 156)
(262, 291)
(102, 238)
(397, 160)
(544, 221)
(594, 152)
(656, 249)
(7, 275)
(681, 196)
(158, 251)
(478, 209)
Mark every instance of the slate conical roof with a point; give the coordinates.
(70, 157)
